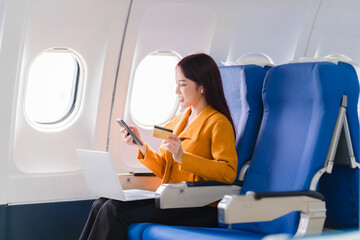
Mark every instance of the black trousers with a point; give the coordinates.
(109, 219)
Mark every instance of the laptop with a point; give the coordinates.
(102, 179)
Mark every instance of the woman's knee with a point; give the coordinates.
(97, 205)
(111, 208)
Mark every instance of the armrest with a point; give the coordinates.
(143, 174)
(207, 184)
(190, 194)
(144, 181)
(312, 194)
(260, 207)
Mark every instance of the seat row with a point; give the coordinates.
(297, 141)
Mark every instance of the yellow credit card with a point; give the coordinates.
(161, 132)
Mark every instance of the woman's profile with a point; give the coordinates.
(201, 148)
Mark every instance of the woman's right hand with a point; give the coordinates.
(130, 140)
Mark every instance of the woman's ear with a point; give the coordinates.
(202, 88)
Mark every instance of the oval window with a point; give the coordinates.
(153, 99)
(52, 86)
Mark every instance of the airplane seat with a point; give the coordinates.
(301, 105)
(343, 212)
(242, 86)
(242, 89)
(341, 187)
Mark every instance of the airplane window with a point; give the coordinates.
(52, 84)
(153, 98)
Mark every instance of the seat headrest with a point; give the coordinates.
(259, 59)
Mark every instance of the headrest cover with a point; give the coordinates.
(251, 58)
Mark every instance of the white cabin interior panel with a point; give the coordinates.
(278, 29)
(111, 38)
(43, 163)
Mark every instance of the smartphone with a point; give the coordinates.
(124, 125)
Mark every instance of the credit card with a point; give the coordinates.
(161, 132)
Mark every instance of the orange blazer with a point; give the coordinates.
(208, 143)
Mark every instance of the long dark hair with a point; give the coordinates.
(202, 69)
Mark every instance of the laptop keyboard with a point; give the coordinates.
(135, 194)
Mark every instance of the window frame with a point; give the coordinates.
(76, 97)
(176, 107)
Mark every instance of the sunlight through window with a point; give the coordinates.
(52, 87)
(153, 99)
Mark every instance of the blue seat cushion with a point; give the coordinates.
(135, 231)
(163, 232)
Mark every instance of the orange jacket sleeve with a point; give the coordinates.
(153, 160)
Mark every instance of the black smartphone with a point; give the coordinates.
(124, 125)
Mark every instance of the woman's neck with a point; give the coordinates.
(196, 109)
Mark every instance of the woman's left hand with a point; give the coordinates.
(173, 145)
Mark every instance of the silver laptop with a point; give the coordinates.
(102, 179)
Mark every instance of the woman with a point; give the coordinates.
(201, 148)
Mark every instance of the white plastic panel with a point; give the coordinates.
(6, 88)
(226, 30)
(180, 26)
(48, 28)
(278, 29)
(42, 163)
(337, 31)
(2, 16)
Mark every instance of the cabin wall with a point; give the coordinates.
(335, 30)
(112, 37)
(225, 31)
(11, 35)
(42, 165)
(39, 171)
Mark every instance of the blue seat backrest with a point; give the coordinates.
(301, 104)
(341, 187)
(242, 88)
